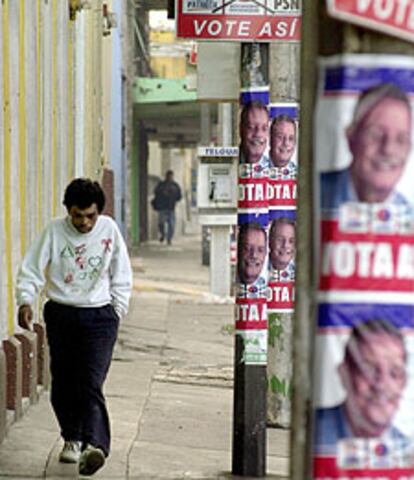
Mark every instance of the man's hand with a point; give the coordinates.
(25, 316)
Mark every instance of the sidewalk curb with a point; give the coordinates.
(155, 286)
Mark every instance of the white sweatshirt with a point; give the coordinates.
(78, 269)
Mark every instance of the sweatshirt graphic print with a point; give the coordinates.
(79, 269)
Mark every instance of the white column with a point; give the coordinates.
(220, 271)
(220, 268)
(80, 95)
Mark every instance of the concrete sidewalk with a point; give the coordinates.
(169, 389)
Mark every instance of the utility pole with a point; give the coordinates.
(379, 47)
(250, 389)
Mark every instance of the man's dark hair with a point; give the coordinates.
(246, 227)
(360, 334)
(243, 230)
(251, 106)
(83, 192)
(281, 119)
(280, 221)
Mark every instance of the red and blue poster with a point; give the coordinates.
(364, 345)
(282, 197)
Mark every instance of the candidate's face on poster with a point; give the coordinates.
(374, 383)
(380, 146)
(252, 255)
(282, 143)
(254, 134)
(282, 245)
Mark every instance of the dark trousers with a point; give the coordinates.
(166, 217)
(81, 342)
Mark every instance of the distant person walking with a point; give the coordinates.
(167, 194)
(81, 262)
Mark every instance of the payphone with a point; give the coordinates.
(217, 208)
(217, 185)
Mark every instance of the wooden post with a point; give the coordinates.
(321, 36)
(250, 389)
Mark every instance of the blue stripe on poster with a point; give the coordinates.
(253, 216)
(278, 213)
(291, 111)
(250, 96)
(349, 314)
(358, 79)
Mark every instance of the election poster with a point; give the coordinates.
(253, 211)
(364, 250)
(267, 215)
(251, 288)
(282, 197)
(239, 20)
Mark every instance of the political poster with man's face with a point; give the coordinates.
(364, 250)
(267, 213)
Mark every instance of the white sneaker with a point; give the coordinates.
(91, 460)
(71, 452)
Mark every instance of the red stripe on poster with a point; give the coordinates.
(326, 469)
(252, 193)
(281, 295)
(251, 314)
(365, 261)
(282, 193)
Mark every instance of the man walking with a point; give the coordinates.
(167, 194)
(81, 263)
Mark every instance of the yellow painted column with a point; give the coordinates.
(70, 101)
(7, 167)
(89, 104)
(39, 115)
(22, 126)
(54, 108)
